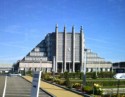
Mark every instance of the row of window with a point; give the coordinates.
(37, 54)
(36, 59)
(39, 49)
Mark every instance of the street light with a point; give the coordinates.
(118, 88)
(40, 64)
(84, 72)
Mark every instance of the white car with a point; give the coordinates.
(119, 76)
(18, 74)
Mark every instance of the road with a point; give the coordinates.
(17, 87)
(2, 80)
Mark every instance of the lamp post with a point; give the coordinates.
(25, 70)
(84, 72)
(118, 88)
(40, 64)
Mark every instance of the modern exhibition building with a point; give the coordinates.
(63, 51)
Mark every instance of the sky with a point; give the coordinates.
(24, 23)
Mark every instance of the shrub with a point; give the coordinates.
(100, 74)
(47, 76)
(68, 83)
(59, 81)
(87, 89)
(76, 85)
(56, 80)
(97, 89)
(106, 74)
(105, 82)
(76, 75)
(94, 76)
(30, 73)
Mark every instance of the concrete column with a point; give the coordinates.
(56, 66)
(73, 49)
(64, 56)
(84, 71)
(53, 65)
(82, 48)
(56, 57)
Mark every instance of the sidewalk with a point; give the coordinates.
(57, 91)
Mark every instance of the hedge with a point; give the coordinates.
(79, 75)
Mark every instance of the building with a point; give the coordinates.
(5, 68)
(119, 67)
(95, 63)
(60, 52)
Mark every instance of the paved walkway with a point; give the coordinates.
(57, 91)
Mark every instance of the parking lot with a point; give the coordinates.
(17, 87)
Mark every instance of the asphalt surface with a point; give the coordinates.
(17, 87)
(2, 80)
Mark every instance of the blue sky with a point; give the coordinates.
(24, 23)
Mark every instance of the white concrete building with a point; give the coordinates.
(96, 63)
(68, 49)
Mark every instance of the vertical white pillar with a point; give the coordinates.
(40, 64)
(99, 64)
(82, 48)
(64, 56)
(85, 62)
(53, 68)
(56, 58)
(56, 65)
(73, 49)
